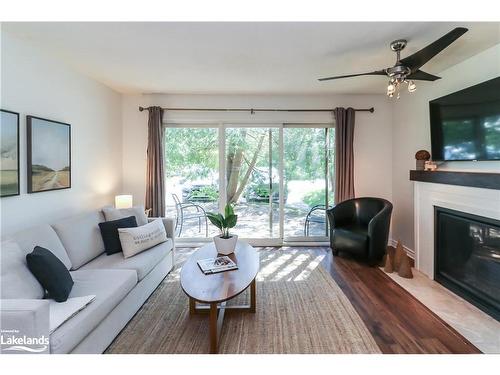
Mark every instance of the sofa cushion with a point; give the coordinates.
(111, 213)
(81, 237)
(44, 236)
(50, 273)
(16, 281)
(59, 313)
(109, 233)
(142, 263)
(109, 287)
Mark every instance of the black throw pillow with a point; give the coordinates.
(110, 236)
(51, 273)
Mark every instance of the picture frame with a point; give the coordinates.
(9, 154)
(48, 154)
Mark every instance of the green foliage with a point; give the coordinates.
(191, 153)
(304, 150)
(224, 222)
(208, 193)
(315, 197)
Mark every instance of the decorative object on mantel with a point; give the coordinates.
(389, 260)
(398, 256)
(404, 269)
(225, 243)
(430, 166)
(421, 157)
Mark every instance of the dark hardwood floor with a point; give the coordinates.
(397, 320)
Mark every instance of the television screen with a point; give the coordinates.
(465, 125)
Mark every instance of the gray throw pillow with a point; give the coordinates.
(111, 213)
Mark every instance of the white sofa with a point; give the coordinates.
(121, 285)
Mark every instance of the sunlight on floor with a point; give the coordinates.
(267, 270)
(288, 265)
(294, 264)
(276, 265)
(310, 267)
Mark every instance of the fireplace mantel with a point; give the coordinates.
(472, 179)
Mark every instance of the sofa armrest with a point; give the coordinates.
(25, 317)
(169, 225)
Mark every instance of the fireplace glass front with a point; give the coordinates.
(467, 250)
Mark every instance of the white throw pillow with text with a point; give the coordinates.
(138, 239)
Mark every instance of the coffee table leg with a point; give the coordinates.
(213, 328)
(192, 306)
(253, 295)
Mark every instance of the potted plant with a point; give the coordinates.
(225, 243)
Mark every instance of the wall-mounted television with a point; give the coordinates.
(465, 125)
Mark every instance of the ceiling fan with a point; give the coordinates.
(407, 70)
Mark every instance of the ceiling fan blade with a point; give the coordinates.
(422, 76)
(415, 61)
(375, 73)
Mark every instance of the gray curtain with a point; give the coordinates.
(155, 171)
(344, 154)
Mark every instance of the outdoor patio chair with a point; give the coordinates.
(317, 215)
(188, 211)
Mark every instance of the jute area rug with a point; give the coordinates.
(300, 309)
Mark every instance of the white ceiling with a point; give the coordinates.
(266, 58)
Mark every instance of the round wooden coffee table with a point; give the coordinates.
(209, 293)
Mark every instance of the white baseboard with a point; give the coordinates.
(410, 252)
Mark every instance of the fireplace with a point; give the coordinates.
(467, 257)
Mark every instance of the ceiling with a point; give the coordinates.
(270, 58)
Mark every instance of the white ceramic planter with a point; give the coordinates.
(225, 246)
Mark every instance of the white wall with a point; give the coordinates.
(35, 84)
(411, 132)
(373, 132)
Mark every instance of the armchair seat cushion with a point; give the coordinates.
(352, 238)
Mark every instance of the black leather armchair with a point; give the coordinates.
(360, 226)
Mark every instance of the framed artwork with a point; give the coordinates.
(49, 154)
(9, 153)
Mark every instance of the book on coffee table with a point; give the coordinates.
(215, 265)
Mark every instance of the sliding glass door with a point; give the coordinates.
(278, 177)
(252, 180)
(192, 178)
(307, 157)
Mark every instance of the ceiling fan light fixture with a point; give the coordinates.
(412, 87)
(391, 88)
(409, 67)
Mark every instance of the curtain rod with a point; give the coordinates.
(253, 110)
